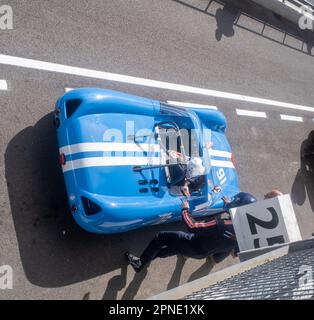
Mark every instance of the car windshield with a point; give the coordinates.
(189, 127)
(181, 138)
(194, 137)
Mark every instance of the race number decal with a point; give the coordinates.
(271, 224)
(265, 223)
(270, 241)
(221, 176)
(253, 221)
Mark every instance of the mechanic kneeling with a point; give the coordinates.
(215, 237)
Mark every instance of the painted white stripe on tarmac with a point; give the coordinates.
(54, 67)
(291, 118)
(191, 105)
(68, 89)
(109, 161)
(108, 146)
(249, 113)
(3, 85)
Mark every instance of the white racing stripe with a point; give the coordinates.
(250, 113)
(127, 147)
(191, 105)
(291, 118)
(108, 146)
(54, 67)
(3, 85)
(126, 161)
(110, 161)
(219, 153)
(222, 164)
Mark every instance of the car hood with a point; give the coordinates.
(103, 153)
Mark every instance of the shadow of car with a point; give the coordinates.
(54, 250)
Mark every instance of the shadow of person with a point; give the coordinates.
(225, 19)
(54, 250)
(116, 284)
(203, 270)
(175, 279)
(135, 284)
(304, 181)
(309, 44)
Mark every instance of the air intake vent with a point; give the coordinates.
(90, 207)
(71, 106)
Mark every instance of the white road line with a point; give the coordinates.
(249, 113)
(191, 105)
(68, 89)
(291, 118)
(3, 85)
(54, 67)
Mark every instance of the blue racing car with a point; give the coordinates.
(126, 159)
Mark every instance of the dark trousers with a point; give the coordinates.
(169, 243)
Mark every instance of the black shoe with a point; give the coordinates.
(134, 261)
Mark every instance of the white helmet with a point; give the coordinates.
(195, 167)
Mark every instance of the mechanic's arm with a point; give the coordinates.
(191, 223)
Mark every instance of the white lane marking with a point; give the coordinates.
(109, 161)
(191, 105)
(222, 164)
(54, 67)
(108, 146)
(250, 113)
(68, 89)
(3, 85)
(220, 153)
(291, 118)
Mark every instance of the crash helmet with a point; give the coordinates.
(240, 199)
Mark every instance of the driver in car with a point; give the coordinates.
(194, 174)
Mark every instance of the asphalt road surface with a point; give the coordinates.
(220, 49)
